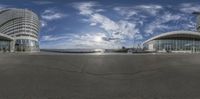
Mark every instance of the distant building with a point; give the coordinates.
(175, 41)
(19, 30)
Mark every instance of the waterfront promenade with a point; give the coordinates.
(82, 76)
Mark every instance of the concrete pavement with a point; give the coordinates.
(55, 76)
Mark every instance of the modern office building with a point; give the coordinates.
(19, 30)
(175, 41)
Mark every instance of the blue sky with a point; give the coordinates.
(106, 23)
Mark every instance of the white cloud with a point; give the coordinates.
(104, 22)
(53, 38)
(138, 37)
(115, 29)
(128, 29)
(159, 22)
(100, 10)
(51, 29)
(158, 18)
(86, 40)
(93, 24)
(182, 17)
(43, 23)
(151, 9)
(155, 26)
(85, 7)
(170, 17)
(189, 7)
(2, 6)
(128, 12)
(52, 14)
(43, 2)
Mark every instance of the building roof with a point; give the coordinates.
(185, 34)
(5, 37)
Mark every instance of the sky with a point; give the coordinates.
(72, 24)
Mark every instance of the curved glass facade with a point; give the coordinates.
(175, 41)
(26, 45)
(23, 25)
(174, 45)
(4, 46)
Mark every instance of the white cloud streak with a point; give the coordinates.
(159, 22)
(189, 7)
(43, 23)
(148, 19)
(139, 10)
(157, 16)
(53, 38)
(2, 6)
(52, 14)
(86, 40)
(43, 2)
(115, 29)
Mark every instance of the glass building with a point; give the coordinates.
(19, 30)
(176, 41)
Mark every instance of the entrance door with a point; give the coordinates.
(194, 49)
(168, 48)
